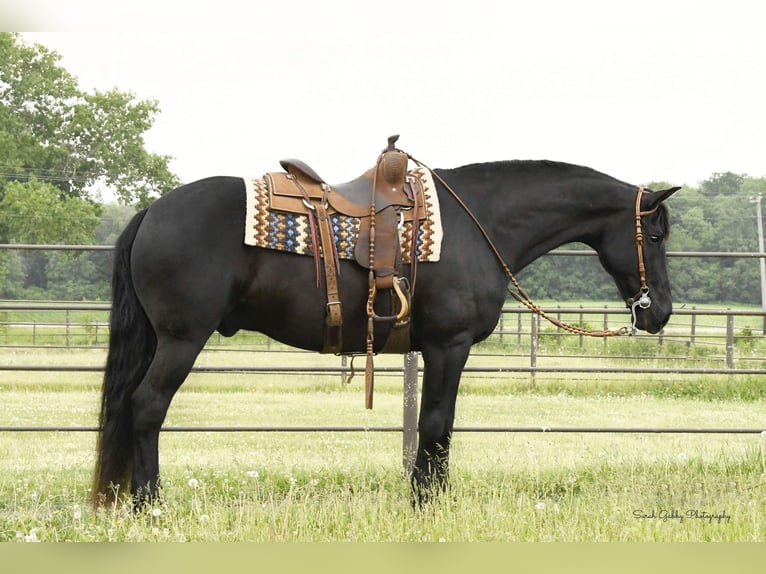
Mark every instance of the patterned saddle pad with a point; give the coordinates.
(290, 232)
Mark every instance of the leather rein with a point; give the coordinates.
(640, 300)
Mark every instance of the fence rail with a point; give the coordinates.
(398, 429)
(516, 323)
(410, 369)
(555, 252)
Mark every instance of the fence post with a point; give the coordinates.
(533, 346)
(410, 412)
(694, 324)
(730, 341)
(344, 364)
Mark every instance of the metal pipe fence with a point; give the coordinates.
(518, 334)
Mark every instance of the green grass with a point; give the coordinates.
(291, 486)
(339, 489)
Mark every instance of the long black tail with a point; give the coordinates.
(132, 343)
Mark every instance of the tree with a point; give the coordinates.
(35, 212)
(72, 140)
(60, 146)
(726, 183)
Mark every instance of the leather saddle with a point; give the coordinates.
(383, 198)
(395, 196)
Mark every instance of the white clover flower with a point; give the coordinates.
(156, 512)
(252, 473)
(193, 482)
(204, 518)
(77, 515)
(682, 456)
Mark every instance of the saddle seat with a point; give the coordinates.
(393, 187)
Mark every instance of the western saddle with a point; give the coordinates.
(382, 198)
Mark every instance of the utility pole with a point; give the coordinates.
(762, 261)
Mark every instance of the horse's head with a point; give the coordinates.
(632, 250)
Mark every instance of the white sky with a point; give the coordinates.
(644, 91)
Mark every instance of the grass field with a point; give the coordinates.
(290, 486)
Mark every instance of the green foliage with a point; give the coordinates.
(34, 212)
(77, 142)
(11, 275)
(60, 148)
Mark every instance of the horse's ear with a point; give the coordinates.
(652, 199)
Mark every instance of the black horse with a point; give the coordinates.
(182, 271)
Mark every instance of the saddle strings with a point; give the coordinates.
(520, 295)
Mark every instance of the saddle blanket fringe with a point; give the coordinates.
(290, 232)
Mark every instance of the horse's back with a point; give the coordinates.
(214, 200)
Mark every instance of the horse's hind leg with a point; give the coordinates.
(170, 366)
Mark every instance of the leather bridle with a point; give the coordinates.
(640, 299)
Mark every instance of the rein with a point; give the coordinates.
(641, 299)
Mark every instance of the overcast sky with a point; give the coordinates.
(644, 91)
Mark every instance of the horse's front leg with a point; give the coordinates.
(443, 366)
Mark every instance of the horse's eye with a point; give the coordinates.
(655, 238)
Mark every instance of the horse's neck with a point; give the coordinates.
(535, 222)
